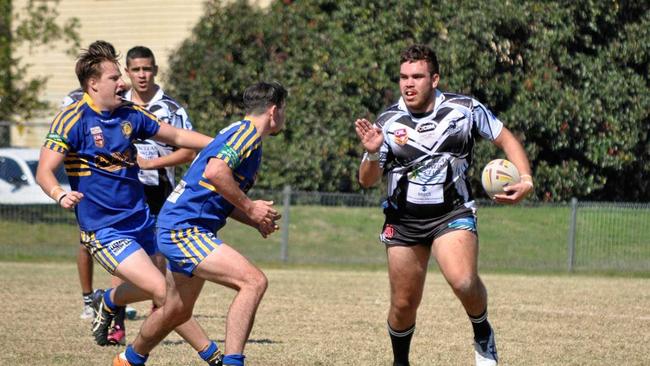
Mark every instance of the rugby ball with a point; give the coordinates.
(497, 174)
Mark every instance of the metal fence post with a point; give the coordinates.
(286, 203)
(572, 234)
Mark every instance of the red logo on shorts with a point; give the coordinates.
(388, 232)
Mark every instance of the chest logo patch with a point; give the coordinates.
(98, 136)
(127, 129)
(426, 127)
(401, 136)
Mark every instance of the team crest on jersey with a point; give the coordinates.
(401, 136)
(98, 136)
(127, 129)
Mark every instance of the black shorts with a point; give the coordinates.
(409, 231)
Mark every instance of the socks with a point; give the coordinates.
(88, 298)
(401, 341)
(211, 354)
(233, 359)
(480, 325)
(133, 357)
(107, 300)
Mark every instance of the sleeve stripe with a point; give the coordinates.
(71, 123)
(147, 113)
(64, 111)
(233, 139)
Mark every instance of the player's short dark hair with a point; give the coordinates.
(89, 61)
(260, 96)
(419, 52)
(140, 52)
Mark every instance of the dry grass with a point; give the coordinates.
(336, 317)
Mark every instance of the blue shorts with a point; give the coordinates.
(186, 248)
(112, 245)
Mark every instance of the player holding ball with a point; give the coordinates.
(423, 145)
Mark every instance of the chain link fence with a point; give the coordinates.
(342, 229)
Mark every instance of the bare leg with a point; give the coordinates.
(85, 269)
(457, 256)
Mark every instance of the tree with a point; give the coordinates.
(35, 26)
(570, 79)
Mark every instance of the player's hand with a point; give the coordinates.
(267, 229)
(371, 137)
(143, 163)
(262, 212)
(71, 199)
(514, 193)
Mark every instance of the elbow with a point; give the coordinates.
(365, 183)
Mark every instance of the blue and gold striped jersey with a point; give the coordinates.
(194, 201)
(100, 159)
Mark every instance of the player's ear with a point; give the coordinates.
(435, 79)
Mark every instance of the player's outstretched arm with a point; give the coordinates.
(371, 139)
(178, 157)
(181, 138)
(220, 175)
(515, 152)
(48, 163)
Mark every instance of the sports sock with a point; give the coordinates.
(480, 325)
(401, 341)
(107, 300)
(88, 298)
(233, 359)
(133, 357)
(119, 317)
(211, 353)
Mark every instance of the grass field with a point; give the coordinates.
(337, 317)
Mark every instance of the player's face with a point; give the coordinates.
(142, 73)
(418, 86)
(106, 90)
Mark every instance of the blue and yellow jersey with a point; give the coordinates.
(195, 201)
(100, 159)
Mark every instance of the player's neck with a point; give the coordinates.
(145, 97)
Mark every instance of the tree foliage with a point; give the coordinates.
(35, 25)
(569, 78)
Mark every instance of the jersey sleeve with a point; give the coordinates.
(149, 124)
(239, 146)
(486, 123)
(64, 135)
(183, 119)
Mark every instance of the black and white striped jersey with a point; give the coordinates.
(426, 157)
(170, 111)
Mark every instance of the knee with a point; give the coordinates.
(257, 281)
(404, 304)
(465, 285)
(158, 296)
(177, 313)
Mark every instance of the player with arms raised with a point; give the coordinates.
(423, 144)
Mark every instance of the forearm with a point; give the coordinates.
(182, 138)
(227, 187)
(240, 216)
(369, 173)
(178, 157)
(514, 151)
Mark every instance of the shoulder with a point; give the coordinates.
(390, 114)
(458, 100)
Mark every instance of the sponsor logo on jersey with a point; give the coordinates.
(98, 136)
(426, 127)
(55, 137)
(401, 136)
(117, 246)
(127, 129)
